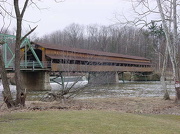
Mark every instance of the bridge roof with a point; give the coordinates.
(86, 51)
(96, 60)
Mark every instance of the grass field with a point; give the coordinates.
(87, 122)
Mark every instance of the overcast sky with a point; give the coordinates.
(57, 16)
(51, 16)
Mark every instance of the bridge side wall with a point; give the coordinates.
(97, 68)
(36, 81)
(98, 78)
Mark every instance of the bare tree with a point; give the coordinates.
(124, 40)
(167, 11)
(171, 44)
(20, 95)
(74, 35)
(6, 93)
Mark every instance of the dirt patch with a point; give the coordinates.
(138, 105)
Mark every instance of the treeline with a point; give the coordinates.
(147, 43)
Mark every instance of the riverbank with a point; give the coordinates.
(135, 105)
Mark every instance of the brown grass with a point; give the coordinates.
(138, 105)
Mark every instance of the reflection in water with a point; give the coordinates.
(128, 89)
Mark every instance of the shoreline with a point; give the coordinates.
(135, 105)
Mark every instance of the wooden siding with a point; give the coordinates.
(99, 68)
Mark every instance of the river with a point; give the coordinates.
(127, 89)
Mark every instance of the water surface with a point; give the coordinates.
(127, 89)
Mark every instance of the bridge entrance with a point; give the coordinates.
(33, 70)
(31, 57)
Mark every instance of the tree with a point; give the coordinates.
(158, 33)
(6, 93)
(74, 35)
(171, 44)
(20, 91)
(20, 95)
(167, 10)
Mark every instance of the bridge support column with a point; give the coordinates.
(36, 81)
(99, 78)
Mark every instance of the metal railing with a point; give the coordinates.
(32, 64)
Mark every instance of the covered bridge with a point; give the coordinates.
(63, 58)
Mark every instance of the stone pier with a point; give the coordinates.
(36, 81)
(99, 78)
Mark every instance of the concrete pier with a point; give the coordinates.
(99, 78)
(36, 81)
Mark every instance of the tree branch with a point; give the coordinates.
(24, 8)
(28, 33)
(16, 7)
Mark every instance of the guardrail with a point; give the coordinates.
(32, 64)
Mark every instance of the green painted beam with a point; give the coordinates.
(25, 43)
(35, 55)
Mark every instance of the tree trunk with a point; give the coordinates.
(19, 88)
(20, 95)
(164, 86)
(171, 45)
(177, 95)
(175, 41)
(163, 82)
(6, 92)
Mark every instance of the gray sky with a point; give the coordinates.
(52, 16)
(57, 16)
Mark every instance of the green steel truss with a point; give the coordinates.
(8, 52)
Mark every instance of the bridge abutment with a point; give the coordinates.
(98, 78)
(36, 81)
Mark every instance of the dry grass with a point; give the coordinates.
(138, 105)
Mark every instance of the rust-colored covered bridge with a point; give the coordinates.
(40, 59)
(66, 59)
